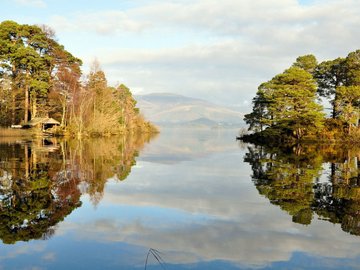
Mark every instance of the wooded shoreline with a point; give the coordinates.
(39, 79)
(289, 107)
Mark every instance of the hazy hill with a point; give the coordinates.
(171, 109)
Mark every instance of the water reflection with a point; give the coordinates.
(189, 196)
(310, 179)
(41, 181)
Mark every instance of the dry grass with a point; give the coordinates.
(16, 133)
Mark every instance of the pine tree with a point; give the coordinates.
(288, 103)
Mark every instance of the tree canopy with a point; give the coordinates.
(31, 59)
(40, 78)
(289, 105)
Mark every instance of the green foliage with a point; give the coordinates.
(288, 103)
(97, 81)
(31, 58)
(353, 68)
(306, 62)
(348, 103)
(258, 118)
(38, 87)
(329, 75)
(39, 78)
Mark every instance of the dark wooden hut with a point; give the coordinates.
(42, 123)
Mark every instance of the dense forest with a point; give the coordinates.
(290, 108)
(39, 78)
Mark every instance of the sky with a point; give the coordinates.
(219, 51)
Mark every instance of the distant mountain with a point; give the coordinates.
(203, 121)
(173, 110)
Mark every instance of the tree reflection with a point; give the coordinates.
(310, 179)
(41, 182)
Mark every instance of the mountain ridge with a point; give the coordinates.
(175, 109)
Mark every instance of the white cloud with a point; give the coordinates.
(220, 50)
(220, 71)
(245, 18)
(23, 250)
(33, 3)
(258, 240)
(102, 22)
(49, 256)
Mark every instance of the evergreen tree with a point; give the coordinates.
(39, 78)
(352, 65)
(348, 102)
(306, 62)
(257, 119)
(287, 102)
(31, 57)
(294, 108)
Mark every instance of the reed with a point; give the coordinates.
(156, 255)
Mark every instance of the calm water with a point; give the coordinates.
(199, 197)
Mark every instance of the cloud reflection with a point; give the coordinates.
(210, 210)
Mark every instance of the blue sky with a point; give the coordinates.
(215, 50)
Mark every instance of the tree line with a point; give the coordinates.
(289, 106)
(40, 78)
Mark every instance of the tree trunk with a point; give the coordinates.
(63, 112)
(13, 106)
(34, 107)
(13, 95)
(26, 105)
(334, 110)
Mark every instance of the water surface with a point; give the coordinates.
(199, 197)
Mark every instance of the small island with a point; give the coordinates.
(42, 89)
(290, 107)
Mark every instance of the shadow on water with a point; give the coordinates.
(41, 181)
(305, 180)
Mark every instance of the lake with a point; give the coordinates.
(192, 199)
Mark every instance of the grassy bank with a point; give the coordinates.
(16, 133)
